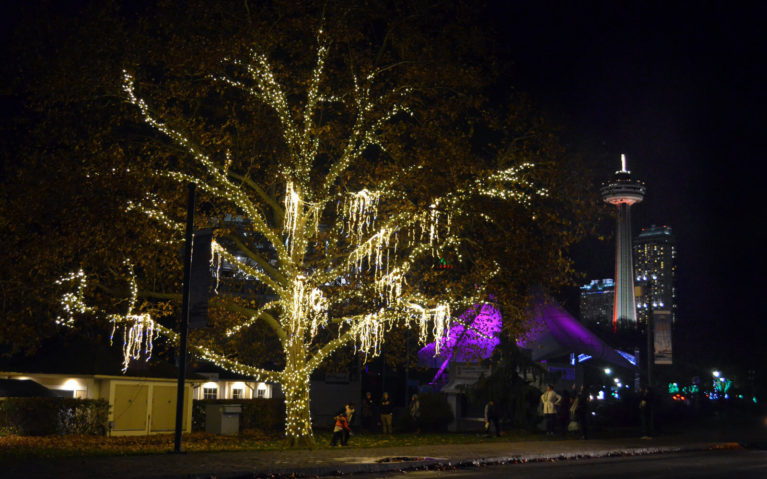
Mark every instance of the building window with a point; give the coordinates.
(210, 393)
(237, 394)
(261, 393)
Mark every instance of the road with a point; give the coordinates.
(738, 463)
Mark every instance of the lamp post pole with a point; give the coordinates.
(650, 357)
(184, 319)
(649, 326)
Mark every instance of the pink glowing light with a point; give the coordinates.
(473, 337)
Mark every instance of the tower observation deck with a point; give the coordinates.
(623, 192)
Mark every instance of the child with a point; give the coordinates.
(341, 431)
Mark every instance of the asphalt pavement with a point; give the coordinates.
(729, 463)
(342, 461)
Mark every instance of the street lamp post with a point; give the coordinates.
(650, 353)
(648, 283)
(650, 343)
(181, 386)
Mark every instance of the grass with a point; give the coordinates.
(14, 447)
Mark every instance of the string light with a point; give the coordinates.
(73, 302)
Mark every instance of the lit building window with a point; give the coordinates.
(209, 393)
(237, 394)
(210, 390)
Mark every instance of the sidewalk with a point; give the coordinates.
(335, 461)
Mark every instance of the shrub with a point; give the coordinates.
(435, 412)
(46, 416)
(267, 415)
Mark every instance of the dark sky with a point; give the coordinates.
(679, 87)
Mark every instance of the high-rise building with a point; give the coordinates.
(655, 269)
(623, 192)
(596, 302)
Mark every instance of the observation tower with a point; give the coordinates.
(623, 192)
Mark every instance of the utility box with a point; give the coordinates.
(223, 419)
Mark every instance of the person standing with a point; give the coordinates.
(341, 430)
(491, 416)
(386, 413)
(349, 414)
(580, 411)
(645, 411)
(415, 412)
(550, 400)
(368, 413)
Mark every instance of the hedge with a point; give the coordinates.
(53, 415)
(434, 414)
(266, 415)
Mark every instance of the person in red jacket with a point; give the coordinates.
(341, 431)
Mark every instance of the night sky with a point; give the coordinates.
(680, 89)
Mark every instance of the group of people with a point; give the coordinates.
(566, 412)
(375, 415)
(372, 416)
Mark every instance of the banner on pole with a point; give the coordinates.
(199, 283)
(662, 332)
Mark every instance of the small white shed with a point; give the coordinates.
(138, 406)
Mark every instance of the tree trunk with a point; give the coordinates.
(295, 384)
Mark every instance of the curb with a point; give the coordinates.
(438, 463)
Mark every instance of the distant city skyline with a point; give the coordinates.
(654, 255)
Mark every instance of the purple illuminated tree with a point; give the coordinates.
(473, 338)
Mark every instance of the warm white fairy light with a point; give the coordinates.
(318, 307)
(154, 208)
(359, 212)
(438, 316)
(73, 302)
(220, 185)
(390, 286)
(253, 318)
(433, 224)
(138, 329)
(216, 262)
(307, 305)
(292, 209)
(370, 253)
(370, 333)
(219, 253)
(138, 336)
(369, 258)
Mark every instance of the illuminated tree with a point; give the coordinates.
(341, 254)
